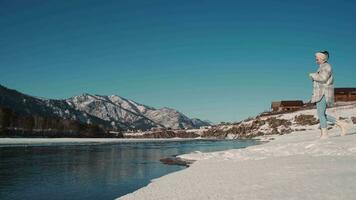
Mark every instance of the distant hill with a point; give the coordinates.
(110, 112)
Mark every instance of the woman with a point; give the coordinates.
(323, 93)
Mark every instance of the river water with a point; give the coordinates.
(93, 171)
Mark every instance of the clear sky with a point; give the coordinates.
(214, 60)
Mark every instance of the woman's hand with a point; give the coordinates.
(311, 75)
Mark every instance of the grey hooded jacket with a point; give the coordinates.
(323, 84)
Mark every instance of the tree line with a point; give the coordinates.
(13, 124)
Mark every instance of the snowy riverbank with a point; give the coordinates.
(293, 166)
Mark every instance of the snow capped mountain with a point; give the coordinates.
(169, 118)
(198, 123)
(28, 105)
(110, 111)
(118, 111)
(115, 108)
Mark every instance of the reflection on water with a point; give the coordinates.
(92, 171)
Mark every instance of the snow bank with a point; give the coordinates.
(293, 166)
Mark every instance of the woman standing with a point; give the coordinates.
(323, 93)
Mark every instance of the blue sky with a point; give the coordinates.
(214, 60)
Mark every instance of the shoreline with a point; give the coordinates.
(292, 166)
(125, 167)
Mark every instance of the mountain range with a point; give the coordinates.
(111, 111)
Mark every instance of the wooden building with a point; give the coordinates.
(345, 94)
(286, 105)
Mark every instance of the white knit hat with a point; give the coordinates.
(324, 55)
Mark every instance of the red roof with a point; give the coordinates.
(292, 103)
(345, 90)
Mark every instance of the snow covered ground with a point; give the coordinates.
(293, 166)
